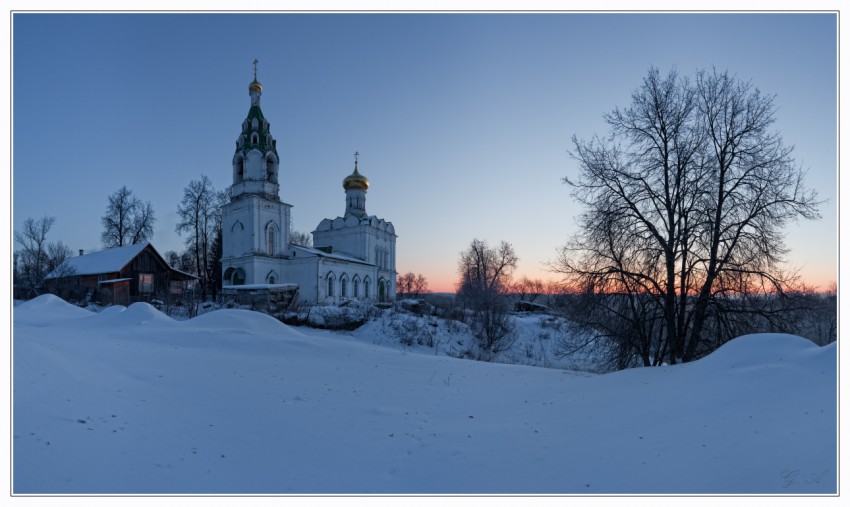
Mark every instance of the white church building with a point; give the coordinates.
(353, 256)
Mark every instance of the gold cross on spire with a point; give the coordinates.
(255, 68)
(356, 156)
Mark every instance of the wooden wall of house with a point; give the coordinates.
(147, 262)
(73, 287)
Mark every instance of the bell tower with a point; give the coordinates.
(255, 223)
(256, 163)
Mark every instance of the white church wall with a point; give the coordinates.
(304, 271)
(245, 226)
(338, 271)
(237, 229)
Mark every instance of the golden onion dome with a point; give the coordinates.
(255, 85)
(355, 181)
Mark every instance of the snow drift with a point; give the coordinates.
(131, 401)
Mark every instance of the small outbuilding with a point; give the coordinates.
(119, 276)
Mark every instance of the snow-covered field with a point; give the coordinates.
(131, 401)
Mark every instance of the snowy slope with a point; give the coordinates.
(131, 401)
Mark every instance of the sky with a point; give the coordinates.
(463, 121)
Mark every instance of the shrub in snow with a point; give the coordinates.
(412, 330)
(349, 315)
(493, 326)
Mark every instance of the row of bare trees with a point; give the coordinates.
(411, 285)
(684, 205)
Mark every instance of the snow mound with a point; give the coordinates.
(110, 310)
(47, 308)
(240, 321)
(135, 314)
(764, 349)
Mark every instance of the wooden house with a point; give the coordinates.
(119, 276)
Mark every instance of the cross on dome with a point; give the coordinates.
(255, 85)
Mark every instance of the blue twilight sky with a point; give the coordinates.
(463, 121)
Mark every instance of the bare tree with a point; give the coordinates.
(216, 245)
(172, 258)
(420, 286)
(57, 255)
(33, 254)
(684, 205)
(127, 220)
(199, 216)
(404, 284)
(301, 239)
(485, 278)
(17, 277)
(38, 257)
(142, 227)
(753, 191)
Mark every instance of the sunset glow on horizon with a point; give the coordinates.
(463, 122)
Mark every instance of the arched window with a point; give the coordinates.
(330, 286)
(343, 286)
(356, 291)
(366, 287)
(240, 168)
(254, 139)
(270, 174)
(236, 277)
(382, 290)
(271, 240)
(271, 277)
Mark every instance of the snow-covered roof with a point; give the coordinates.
(105, 261)
(322, 253)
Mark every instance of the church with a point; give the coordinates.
(353, 256)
